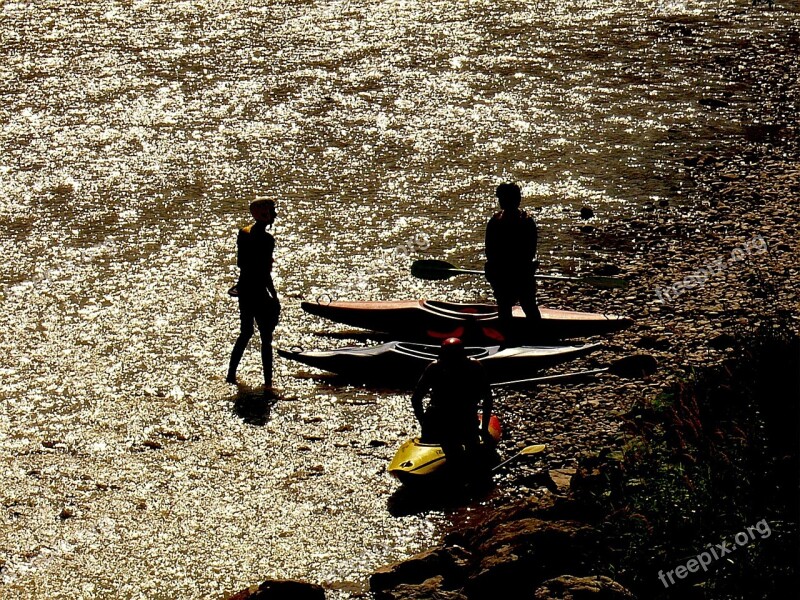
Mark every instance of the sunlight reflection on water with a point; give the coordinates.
(133, 137)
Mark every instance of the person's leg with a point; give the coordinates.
(266, 357)
(505, 308)
(266, 318)
(432, 427)
(245, 333)
(527, 299)
(456, 457)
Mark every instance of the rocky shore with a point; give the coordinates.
(729, 237)
(719, 257)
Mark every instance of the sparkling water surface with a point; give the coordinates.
(132, 137)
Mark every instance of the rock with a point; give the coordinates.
(722, 341)
(547, 507)
(66, 513)
(606, 269)
(568, 587)
(562, 477)
(586, 213)
(451, 563)
(588, 229)
(281, 589)
(430, 589)
(652, 342)
(520, 554)
(691, 161)
(713, 102)
(762, 132)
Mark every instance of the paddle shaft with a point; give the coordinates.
(515, 457)
(439, 270)
(549, 378)
(636, 365)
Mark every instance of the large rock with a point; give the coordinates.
(568, 587)
(521, 554)
(549, 507)
(430, 589)
(281, 589)
(451, 563)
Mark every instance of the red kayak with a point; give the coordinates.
(476, 323)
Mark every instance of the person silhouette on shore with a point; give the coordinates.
(258, 300)
(511, 239)
(457, 385)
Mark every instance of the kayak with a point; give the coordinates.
(416, 461)
(420, 320)
(404, 362)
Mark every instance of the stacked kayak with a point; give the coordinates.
(403, 362)
(474, 323)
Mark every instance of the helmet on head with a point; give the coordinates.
(509, 195)
(452, 348)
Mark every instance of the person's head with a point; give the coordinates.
(452, 350)
(263, 210)
(509, 195)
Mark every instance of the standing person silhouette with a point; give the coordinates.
(258, 300)
(511, 264)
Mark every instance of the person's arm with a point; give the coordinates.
(491, 240)
(422, 389)
(270, 261)
(488, 401)
(531, 239)
(271, 288)
(240, 253)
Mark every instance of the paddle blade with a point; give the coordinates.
(528, 450)
(534, 449)
(637, 365)
(433, 270)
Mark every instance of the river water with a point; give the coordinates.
(135, 133)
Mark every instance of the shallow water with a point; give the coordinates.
(134, 134)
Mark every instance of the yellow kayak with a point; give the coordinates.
(416, 461)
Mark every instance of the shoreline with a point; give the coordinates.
(740, 197)
(734, 227)
(739, 220)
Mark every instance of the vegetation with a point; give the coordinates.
(711, 456)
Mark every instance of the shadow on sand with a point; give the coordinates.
(253, 405)
(444, 495)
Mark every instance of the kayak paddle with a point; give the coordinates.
(629, 367)
(528, 450)
(438, 270)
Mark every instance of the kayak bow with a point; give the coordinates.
(416, 461)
